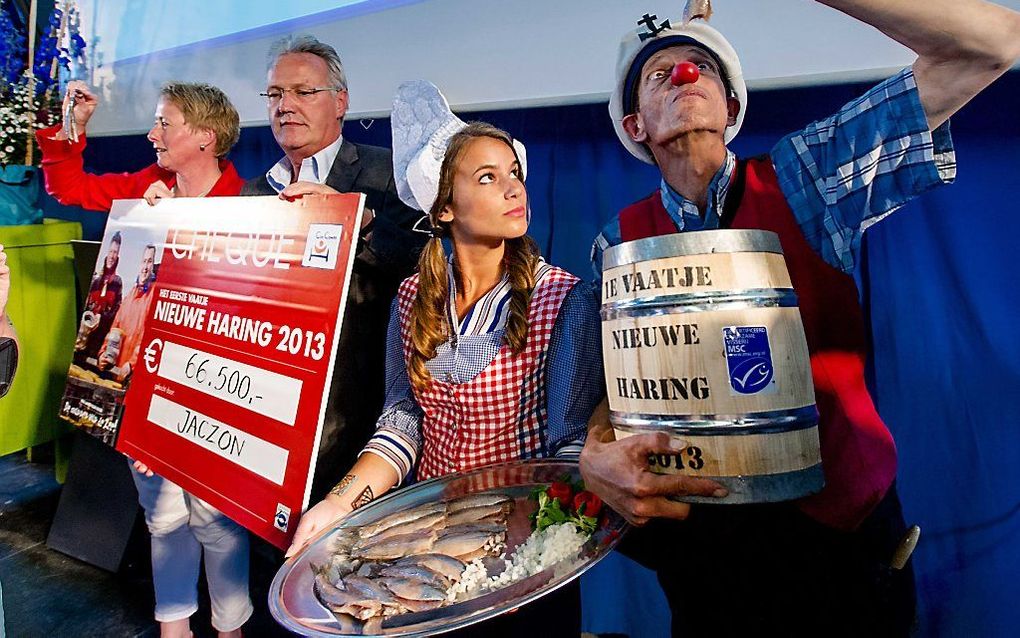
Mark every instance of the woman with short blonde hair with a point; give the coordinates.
(194, 128)
(206, 107)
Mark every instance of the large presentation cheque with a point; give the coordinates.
(208, 341)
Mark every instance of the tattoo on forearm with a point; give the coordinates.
(363, 499)
(343, 485)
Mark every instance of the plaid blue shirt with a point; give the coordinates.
(574, 381)
(840, 175)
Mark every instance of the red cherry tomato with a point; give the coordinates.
(684, 73)
(591, 502)
(561, 492)
(611, 536)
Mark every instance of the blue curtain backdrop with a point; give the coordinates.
(939, 280)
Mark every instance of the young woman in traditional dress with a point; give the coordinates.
(493, 354)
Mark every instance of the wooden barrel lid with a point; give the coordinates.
(693, 243)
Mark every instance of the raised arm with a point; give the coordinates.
(64, 168)
(962, 46)
(6, 327)
(85, 103)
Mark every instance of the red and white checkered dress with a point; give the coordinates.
(499, 415)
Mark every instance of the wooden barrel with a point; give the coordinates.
(703, 339)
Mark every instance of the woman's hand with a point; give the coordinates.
(85, 103)
(157, 191)
(370, 478)
(141, 468)
(325, 513)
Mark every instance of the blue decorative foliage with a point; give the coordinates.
(13, 48)
(31, 99)
(48, 51)
(75, 44)
(66, 48)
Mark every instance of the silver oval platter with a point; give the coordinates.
(295, 606)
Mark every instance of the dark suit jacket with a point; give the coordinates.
(383, 260)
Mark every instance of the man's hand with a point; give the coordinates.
(367, 216)
(157, 191)
(297, 190)
(325, 513)
(618, 472)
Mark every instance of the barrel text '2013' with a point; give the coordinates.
(661, 462)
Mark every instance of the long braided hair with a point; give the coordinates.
(429, 324)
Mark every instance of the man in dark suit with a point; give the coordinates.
(307, 100)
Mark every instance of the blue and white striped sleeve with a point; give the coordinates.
(397, 439)
(842, 174)
(574, 380)
(610, 236)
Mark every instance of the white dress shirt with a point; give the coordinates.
(313, 169)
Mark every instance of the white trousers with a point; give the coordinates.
(182, 526)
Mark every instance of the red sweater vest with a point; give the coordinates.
(858, 453)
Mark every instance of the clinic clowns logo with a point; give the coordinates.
(282, 519)
(322, 245)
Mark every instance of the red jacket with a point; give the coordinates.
(858, 453)
(67, 181)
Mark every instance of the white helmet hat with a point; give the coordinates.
(423, 125)
(638, 45)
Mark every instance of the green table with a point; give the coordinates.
(43, 308)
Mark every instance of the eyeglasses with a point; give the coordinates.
(274, 95)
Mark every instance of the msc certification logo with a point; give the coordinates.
(749, 360)
(322, 245)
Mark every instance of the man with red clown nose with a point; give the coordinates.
(821, 565)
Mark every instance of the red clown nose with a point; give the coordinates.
(684, 73)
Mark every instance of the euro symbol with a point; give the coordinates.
(151, 356)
